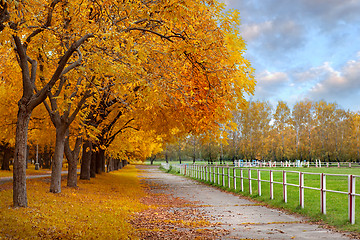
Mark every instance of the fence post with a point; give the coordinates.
(284, 187)
(206, 173)
(201, 172)
(234, 174)
(301, 189)
(271, 185)
(229, 182)
(259, 181)
(223, 176)
(351, 188)
(214, 175)
(323, 193)
(249, 175)
(218, 175)
(242, 179)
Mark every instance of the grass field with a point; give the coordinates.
(336, 203)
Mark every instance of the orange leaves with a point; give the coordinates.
(100, 209)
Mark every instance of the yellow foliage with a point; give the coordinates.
(97, 209)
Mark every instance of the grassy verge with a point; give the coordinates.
(97, 209)
(337, 204)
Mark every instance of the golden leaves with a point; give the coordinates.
(101, 209)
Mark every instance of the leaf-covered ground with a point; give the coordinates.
(173, 218)
(111, 206)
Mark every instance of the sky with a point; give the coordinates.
(303, 49)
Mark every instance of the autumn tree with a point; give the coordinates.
(186, 55)
(282, 131)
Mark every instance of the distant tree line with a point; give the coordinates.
(308, 131)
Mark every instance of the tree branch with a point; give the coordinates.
(61, 84)
(4, 14)
(78, 107)
(41, 95)
(45, 26)
(73, 65)
(33, 70)
(112, 138)
(169, 38)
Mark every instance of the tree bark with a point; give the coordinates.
(46, 158)
(166, 158)
(116, 164)
(19, 172)
(72, 157)
(56, 168)
(93, 165)
(6, 158)
(86, 160)
(100, 161)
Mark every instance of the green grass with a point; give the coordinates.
(336, 203)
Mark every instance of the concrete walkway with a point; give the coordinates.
(243, 218)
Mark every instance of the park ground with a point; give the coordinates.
(144, 203)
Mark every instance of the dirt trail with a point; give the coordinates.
(243, 218)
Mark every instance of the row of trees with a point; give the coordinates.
(113, 78)
(308, 131)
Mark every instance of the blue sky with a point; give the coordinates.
(303, 49)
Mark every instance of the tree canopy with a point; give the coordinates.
(119, 72)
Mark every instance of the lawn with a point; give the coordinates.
(336, 205)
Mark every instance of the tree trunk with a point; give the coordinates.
(100, 161)
(6, 158)
(56, 168)
(72, 172)
(110, 164)
(72, 157)
(19, 172)
(46, 158)
(86, 160)
(93, 165)
(116, 164)
(166, 158)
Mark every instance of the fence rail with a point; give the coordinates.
(297, 163)
(232, 175)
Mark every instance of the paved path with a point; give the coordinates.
(10, 179)
(245, 219)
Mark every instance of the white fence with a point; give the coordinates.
(222, 174)
(297, 163)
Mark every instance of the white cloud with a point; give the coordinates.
(269, 84)
(338, 83)
(274, 35)
(253, 31)
(301, 48)
(341, 86)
